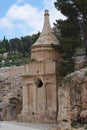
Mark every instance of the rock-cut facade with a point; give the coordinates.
(40, 79)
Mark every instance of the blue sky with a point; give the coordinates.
(24, 17)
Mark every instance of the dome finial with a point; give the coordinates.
(46, 37)
(46, 12)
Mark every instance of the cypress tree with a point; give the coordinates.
(72, 31)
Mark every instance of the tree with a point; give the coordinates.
(75, 10)
(71, 30)
(6, 45)
(21, 46)
(28, 41)
(81, 6)
(2, 48)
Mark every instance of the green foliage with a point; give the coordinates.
(72, 32)
(1, 57)
(80, 51)
(21, 45)
(75, 24)
(18, 50)
(74, 124)
(12, 59)
(14, 101)
(67, 47)
(2, 50)
(6, 45)
(85, 128)
(66, 67)
(66, 79)
(85, 73)
(14, 55)
(68, 28)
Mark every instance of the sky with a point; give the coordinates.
(20, 18)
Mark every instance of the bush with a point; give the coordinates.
(80, 51)
(14, 101)
(66, 67)
(85, 128)
(74, 124)
(85, 73)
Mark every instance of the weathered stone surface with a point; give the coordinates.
(72, 99)
(10, 86)
(80, 64)
(83, 114)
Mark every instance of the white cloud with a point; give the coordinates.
(27, 19)
(4, 22)
(22, 18)
(19, 1)
(27, 15)
(48, 4)
(17, 12)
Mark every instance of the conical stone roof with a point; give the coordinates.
(47, 37)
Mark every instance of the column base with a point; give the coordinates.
(37, 118)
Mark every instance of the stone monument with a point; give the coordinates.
(40, 89)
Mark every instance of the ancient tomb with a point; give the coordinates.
(40, 79)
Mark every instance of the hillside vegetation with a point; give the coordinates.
(16, 51)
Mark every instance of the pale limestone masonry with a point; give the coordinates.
(40, 80)
(10, 86)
